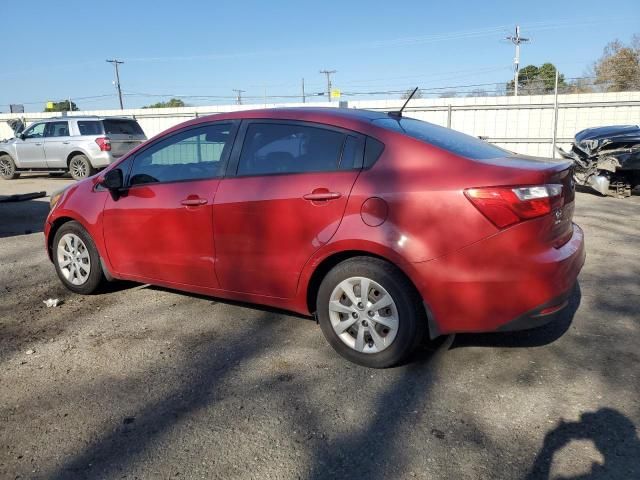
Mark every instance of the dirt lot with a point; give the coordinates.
(141, 382)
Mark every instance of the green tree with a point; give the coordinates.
(62, 106)
(618, 69)
(173, 103)
(534, 80)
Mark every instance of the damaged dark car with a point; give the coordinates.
(607, 159)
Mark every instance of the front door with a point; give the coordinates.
(286, 199)
(30, 149)
(160, 229)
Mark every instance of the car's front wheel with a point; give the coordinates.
(76, 259)
(80, 167)
(8, 168)
(369, 312)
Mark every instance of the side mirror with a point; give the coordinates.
(113, 179)
(20, 136)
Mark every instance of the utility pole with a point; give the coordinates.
(328, 73)
(115, 63)
(239, 95)
(516, 40)
(303, 95)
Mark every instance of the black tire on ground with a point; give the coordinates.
(80, 167)
(96, 276)
(8, 168)
(412, 318)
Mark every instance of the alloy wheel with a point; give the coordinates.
(78, 168)
(5, 167)
(73, 259)
(363, 315)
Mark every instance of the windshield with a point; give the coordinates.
(451, 140)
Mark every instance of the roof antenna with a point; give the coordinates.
(399, 112)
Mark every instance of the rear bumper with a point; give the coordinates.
(494, 286)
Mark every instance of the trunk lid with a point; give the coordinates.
(124, 133)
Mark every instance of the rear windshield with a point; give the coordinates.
(90, 127)
(445, 138)
(122, 127)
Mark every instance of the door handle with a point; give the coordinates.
(39, 143)
(65, 143)
(194, 202)
(321, 196)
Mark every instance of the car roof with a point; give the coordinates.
(350, 118)
(84, 117)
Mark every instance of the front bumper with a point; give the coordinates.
(485, 288)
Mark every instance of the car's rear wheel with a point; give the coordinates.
(80, 167)
(369, 312)
(8, 168)
(76, 259)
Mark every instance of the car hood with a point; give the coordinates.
(592, 140)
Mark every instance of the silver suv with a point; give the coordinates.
(79, 145)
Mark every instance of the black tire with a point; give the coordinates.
(8, 168)
(96, 276)
(412, 322)
(80, 167)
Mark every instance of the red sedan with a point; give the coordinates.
(384, 227)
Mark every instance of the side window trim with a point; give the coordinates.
(234, 159)
(233, 136)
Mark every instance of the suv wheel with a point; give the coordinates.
(8, 168)
(369, 312)
(76, 259)
(80, 167)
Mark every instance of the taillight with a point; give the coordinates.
(104, 143)
(506, 206)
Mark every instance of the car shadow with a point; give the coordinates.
(611, 432)
(253, 306)
(535, 337)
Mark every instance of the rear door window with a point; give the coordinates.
(57, 129)
(281, 148)
(122, 127)
(90, 127)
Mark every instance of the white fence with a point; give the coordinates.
(523, 124)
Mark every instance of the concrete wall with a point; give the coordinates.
(522, 124)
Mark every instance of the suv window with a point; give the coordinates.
(289, 148)
(445, 138)
(57, 129)
(193, 154)
(122, 127)
(90, 127)
(35, 131)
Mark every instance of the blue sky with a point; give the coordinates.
(53, 50)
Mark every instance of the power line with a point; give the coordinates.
(115, 63)
(239, 95)
(328, 73)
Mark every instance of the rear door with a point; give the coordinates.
(124, 133)
(283, 198)
(57, 144)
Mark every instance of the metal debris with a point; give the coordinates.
(607, 159)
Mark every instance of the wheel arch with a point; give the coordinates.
(55, 226)
(76, 151)
(331, 260)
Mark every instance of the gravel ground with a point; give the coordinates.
(142, 382)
